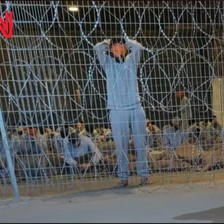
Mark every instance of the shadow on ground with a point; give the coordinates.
(215, 215)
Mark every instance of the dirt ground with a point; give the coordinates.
(65, 185)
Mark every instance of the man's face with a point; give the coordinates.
(180, 94)
(74, 138)
(79, 126)
(119, 49)
(149, 126)
(214, 120)
(177, 125)
(32, 131)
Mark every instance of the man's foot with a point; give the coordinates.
(123, 183)
(144, 181)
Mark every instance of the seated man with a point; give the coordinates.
(80, 127)
(217, 126)
(154, 136)
(208, 136)
(173, 136)
(194, 132)
(28, 153)
(79, 150)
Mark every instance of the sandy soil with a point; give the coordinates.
(65, 185)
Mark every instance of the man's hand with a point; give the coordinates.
(106, 41)
(71, 162)
(84, 165)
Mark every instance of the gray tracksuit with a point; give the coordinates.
(124, 105)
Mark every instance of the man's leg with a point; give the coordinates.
(138, 126)
(120, 131)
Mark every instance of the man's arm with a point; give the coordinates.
(68, 157)
(135, 48)
(149, 140)
(166, 141)
(222, 139)
(97, 154)
(134, 44)
(100, 49)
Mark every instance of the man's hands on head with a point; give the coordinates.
(107, 41)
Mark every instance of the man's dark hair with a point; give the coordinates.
(41, 129)
(20, 132)
(80, 121)
(64, 131)
(117, 40)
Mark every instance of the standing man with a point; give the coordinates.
(120, 57)
(185, 109)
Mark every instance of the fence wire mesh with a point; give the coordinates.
(52, 86)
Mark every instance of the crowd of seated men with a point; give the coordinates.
(38, 149)
(200, 147)
(43, 150)
(28, 148)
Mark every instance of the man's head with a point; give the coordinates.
(32, 131)
(80, 126)
(20, 130)
(74, 138)
(149, 125)
(118, 47)
(214, 119)
(180, 94)
(176, 122)
(64, 131)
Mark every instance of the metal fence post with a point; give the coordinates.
(8, 157)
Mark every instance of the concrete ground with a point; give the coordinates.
(131, 205)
